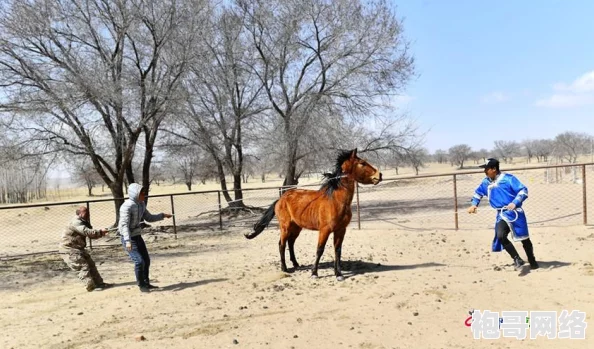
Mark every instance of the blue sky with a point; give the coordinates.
(505, 70)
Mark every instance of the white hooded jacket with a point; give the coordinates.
(133, 212)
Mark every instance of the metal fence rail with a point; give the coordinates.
(558, 196)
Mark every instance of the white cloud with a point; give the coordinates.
(565, 101)
(495, 97)
(583, 84)
(578, 93)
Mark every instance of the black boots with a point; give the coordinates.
(148, 284)
(518, 262)
(530, 253)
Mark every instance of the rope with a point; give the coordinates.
(366, 209)
(289, 187)
(503, 209)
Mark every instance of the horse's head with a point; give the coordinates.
(361, 170)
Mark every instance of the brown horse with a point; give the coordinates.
(326, 210)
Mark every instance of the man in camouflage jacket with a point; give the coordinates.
(72, 249)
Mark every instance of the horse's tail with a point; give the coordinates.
(263, 222)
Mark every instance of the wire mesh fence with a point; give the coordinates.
(558, 196)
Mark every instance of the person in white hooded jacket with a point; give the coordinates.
(132, 213)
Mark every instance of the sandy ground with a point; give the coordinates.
(404, 289)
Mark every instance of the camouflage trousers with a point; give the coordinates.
(82, 262)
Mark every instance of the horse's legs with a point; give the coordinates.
(338, 239)
(322, 239)
(282, 243)
(294, 234)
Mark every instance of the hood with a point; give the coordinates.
(134, 191)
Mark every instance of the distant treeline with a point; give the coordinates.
(21, 184)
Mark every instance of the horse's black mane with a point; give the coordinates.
(331, 180)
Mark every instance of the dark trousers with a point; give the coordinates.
(141, 259)
(502, 229)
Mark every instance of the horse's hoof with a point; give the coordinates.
(314, 276)
(340, 278)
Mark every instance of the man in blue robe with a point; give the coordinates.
(506, 194)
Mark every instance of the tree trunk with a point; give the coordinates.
(223, 181)
(291, 167)
(118, 194)
(130, 175)
(146, 165)
(238, 192)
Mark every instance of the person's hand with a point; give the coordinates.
(167, 215)
(472, 209)
(511, 206)
(104, 232)
(129, 246)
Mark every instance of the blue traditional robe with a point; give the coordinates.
(501, 191)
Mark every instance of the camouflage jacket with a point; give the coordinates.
(74, 236)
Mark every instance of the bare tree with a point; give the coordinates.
(187, 161)
(417, 158)
(475, 156)
(459, 153)
(483, 154)
(89, 77)
(83, 171)
(22, 178)
(158, 173)
(344, 54)
(440, 156)
(529, 147)
(543, 148)
(570, 145)
(396, 161)
(260, 162)
(170, 172)
(223, 94)
(506, 150)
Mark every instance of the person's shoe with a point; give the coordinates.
(534, 264)
(529, 248)
(148, 284)
(144, 289)
(518, 263)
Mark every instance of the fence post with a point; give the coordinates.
(89, 212)
(358, 210)
(173, 216)
(220, 211)
(455, 204)
(584, 197)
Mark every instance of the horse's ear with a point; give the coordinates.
(354, 153)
